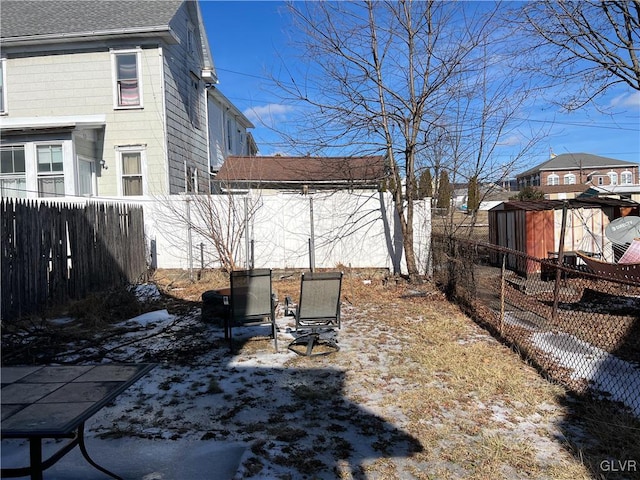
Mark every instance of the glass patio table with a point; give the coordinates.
(41, 402)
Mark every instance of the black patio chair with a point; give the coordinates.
(252, 302)
(318, 313)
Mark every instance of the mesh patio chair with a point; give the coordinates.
(252, 302)
(318, 314)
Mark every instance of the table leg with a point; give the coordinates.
(85, 454)
(35, 457)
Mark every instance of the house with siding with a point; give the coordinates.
(111, 99)
(569, 174)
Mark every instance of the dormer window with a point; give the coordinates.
(191, 39)
(127, 84)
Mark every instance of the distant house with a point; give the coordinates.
(111, 99)
(301, 174)
(228, 130)
(491, 194)
(569, 174)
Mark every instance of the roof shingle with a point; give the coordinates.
(302, 169)
(26, 18)
(574, 161)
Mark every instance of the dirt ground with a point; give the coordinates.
(417, 390)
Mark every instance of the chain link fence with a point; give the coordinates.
(581, 329)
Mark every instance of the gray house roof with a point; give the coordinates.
(573, 161)
(28, 22)
(26, 18)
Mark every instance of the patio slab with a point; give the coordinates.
(141, 459)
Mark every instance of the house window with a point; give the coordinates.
(229, 136)
(194, 101)
(86, 177)
(613, 178)
(131, 172)
(191, 36)
(127, 84)
(600, 180)
(191, 180)
(13, 180)
(626, 178)
(50, 170)
(569, 179)
(3, 93)
(553, 179)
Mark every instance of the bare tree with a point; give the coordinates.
(397, 78)
(386, 78)
(219, 222)
(595, 42)
(488, 110)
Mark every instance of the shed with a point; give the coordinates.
(534, 228)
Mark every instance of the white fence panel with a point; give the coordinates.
(352, 229)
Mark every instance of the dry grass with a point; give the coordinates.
(476, 408)
(473, 407)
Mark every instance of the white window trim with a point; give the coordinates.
(24, 175)
(569, 179)
(142, 149)
(613, 178)
(626, 178)
(5, 109)
(553, 179)
(114, 78)
(67, 166)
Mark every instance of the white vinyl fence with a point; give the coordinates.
(284, 230)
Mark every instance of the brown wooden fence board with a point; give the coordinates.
(55, 252)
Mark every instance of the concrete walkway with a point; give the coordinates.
(140, 459)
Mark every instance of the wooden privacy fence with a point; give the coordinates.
(53, 252)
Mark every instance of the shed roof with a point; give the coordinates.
(573, 188)
(299, 170)
(540, 205)
(573, 161)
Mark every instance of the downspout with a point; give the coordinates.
(164, 122)
(207, 86)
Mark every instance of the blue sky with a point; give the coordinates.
(251, 39)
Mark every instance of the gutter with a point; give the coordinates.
(56, 38)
